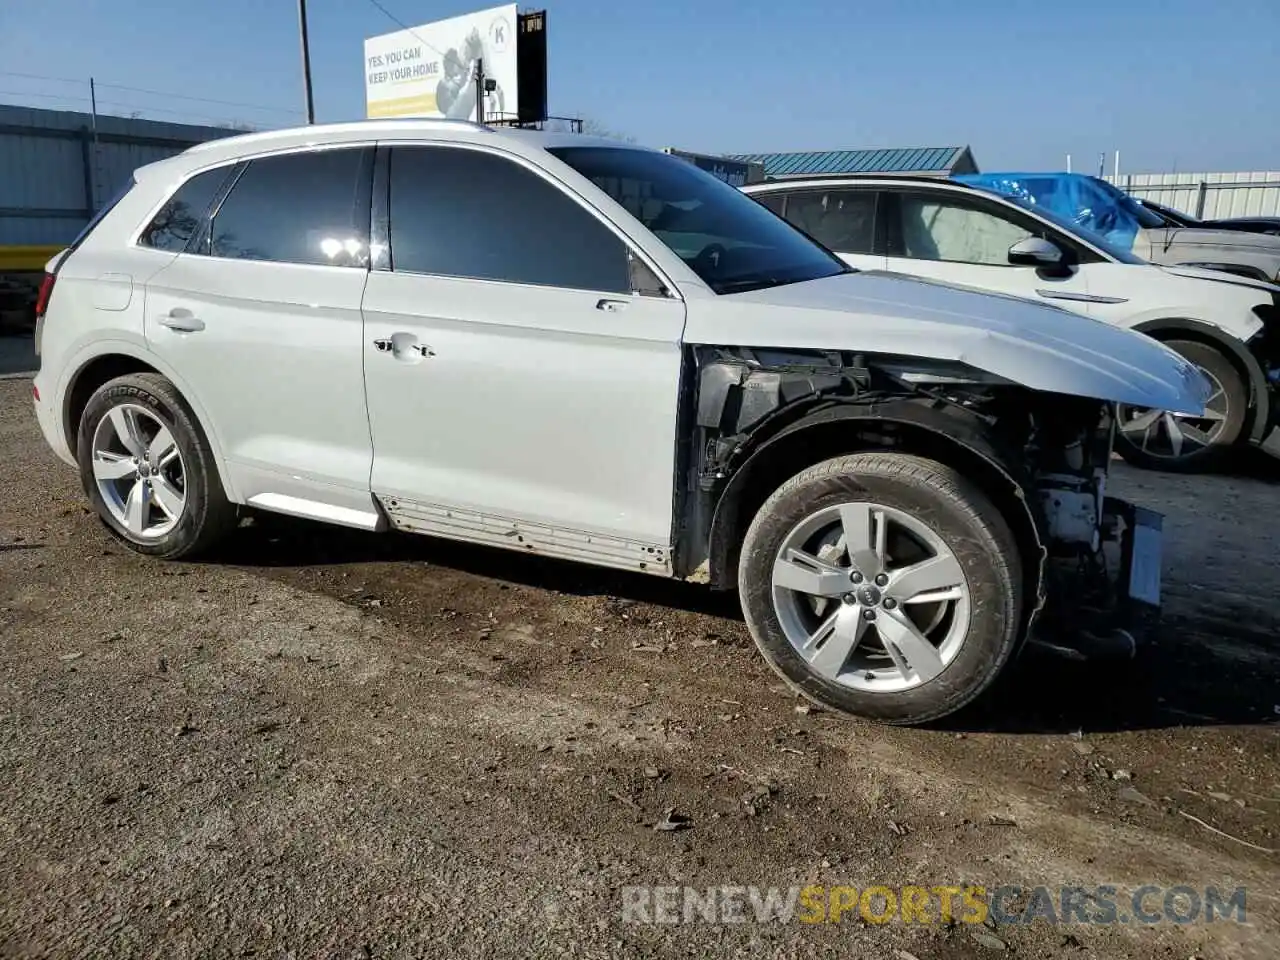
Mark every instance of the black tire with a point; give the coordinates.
(957, 511)
(208, 515)
(1202, 458)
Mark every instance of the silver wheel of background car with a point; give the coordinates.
(870, 597)
(1164, 435)
(139, 471)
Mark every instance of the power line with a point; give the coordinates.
(404, 26)
(158, 93)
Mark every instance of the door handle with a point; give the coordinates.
(611, 306)
(404, 346)
(182, 320)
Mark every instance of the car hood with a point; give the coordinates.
(1040, 347)
(1204, 237)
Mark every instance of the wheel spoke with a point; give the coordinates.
(910, 650)
(125, 423)
(112, 466)
(169, 497)
(829, 647)
(936, 573)
(1141, 423)
(1175, 434)
(136, 507)
(1195, 435)
(161, 446)
(937, 596)
(863, 530)
(800, 571)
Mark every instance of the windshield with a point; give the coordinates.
(1084, 233)
(1145, 217)
(729, 240)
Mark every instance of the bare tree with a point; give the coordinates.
(594, 128)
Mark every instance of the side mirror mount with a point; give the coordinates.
(1038, 252)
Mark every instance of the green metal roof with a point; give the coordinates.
(898, 160)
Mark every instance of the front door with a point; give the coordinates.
(261, 314)
(952, 236)
(519, 391)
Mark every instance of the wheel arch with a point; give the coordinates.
(1188, 328)
(116, 359)
(843, 429)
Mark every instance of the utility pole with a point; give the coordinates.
(93, 163)
(480, 90)
(306, 60)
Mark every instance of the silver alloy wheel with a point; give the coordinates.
(871, 597)
(139, 471)
(1171, 436)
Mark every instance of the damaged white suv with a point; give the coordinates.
(580, 349)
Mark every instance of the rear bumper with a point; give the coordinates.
(49, 421)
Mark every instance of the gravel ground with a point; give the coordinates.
(321, 743)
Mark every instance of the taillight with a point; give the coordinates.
(42, 298)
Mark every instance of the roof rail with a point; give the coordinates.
(352, 126)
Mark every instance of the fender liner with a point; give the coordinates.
(947, 426)
(1259, 390)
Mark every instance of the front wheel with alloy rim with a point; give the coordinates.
(148, 468)
(883, 585)
(1160, 440)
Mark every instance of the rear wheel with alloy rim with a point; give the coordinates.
(1160, 440)
(883, 585)
(148, 468)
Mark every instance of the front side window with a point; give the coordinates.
(729, 240)
(178, 220)
(940, 227)
(466, 213)
(841, 220)
(310, 208)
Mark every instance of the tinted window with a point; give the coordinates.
(728, 239)
(843, 220)
(774, 201)
(941, 227)
(300, 208)
(465, 213)
(179, 219)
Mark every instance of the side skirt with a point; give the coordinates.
(526, 536)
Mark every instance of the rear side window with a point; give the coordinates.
(178, 220)
(308, 208)
(774, 201)
(465, 213)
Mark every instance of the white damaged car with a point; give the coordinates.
(574, 348)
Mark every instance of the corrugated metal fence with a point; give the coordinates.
(1210, 196)
(54, 171)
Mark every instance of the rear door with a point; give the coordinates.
(522, 364)
(960, 237)
(842, 219)
(260, 314)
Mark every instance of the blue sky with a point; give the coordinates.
(1170, 83)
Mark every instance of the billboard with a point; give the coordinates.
(429, 71)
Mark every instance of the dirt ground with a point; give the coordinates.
(322, 743)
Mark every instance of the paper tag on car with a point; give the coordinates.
(1146, 562)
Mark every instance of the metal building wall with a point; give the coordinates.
(1209, 195)
(52, 177)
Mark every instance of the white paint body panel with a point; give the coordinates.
(536, 404)
(277, 366)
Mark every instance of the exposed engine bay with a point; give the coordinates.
(1042, 457)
